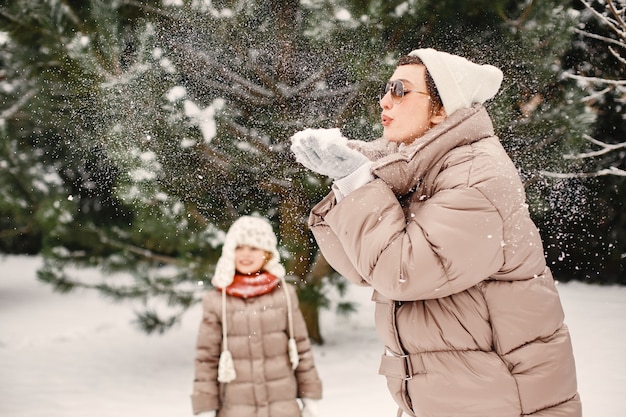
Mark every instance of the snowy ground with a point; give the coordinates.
(77, 355)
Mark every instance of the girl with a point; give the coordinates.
(253, 354)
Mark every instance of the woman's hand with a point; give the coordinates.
(326, 152)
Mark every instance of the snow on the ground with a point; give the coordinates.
(78, 355)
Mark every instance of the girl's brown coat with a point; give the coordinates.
(466, 307)
(266, 385)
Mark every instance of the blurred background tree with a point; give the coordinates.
(597, 62)
(135, 132)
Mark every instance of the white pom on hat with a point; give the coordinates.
(252, 231)
(460, 82)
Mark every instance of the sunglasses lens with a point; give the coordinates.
(384, 90)
(397, 90)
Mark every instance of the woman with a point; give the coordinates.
(433, 217)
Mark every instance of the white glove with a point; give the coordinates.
(310, 408)
(211, 413)
(326, 152)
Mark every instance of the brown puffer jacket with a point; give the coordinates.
(266, 385)
(466, 307)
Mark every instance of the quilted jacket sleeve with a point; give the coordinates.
(329, 242)
(205, 394)
(452, 241)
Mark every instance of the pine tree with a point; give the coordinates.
(86, 93)
(596, 61)
(267, 83)
(186, 139)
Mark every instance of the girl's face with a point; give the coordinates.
(410, 118)
(249, 260)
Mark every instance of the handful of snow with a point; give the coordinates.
(323, 137)
(326, 152)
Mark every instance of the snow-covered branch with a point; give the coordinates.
(595, 79)
(604, 39)
(18, 104)
(612, 17)
(606, 148)
(141, 252)
(617, 55)
(253, 139)
(602, 172)
(236, 84)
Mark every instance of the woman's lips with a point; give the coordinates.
(385, 120)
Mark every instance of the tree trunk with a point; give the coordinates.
(310, 311)
(296, 237)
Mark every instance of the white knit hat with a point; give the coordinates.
(460, 82)
(252, 231)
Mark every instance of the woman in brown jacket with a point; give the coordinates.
(433, 217)
(253, 354)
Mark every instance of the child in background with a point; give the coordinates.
(253, 354)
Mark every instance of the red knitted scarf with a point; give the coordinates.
(246, 286)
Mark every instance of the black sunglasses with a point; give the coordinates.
(396, 87)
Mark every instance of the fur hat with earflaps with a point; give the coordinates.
(256, 232)
(252, 231)
(460, 82)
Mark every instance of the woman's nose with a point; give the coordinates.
(385, 101)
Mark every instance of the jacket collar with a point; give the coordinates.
(404, 170)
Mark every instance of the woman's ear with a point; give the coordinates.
(438, 116)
